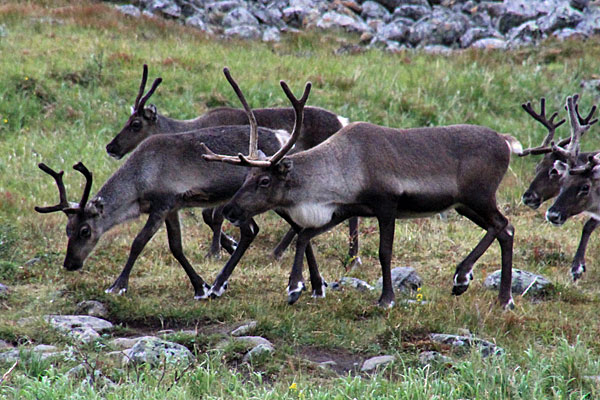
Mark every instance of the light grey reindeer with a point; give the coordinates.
(145, 121)
(580, 186)
(163, 175)
(374, 171)
(547, 180)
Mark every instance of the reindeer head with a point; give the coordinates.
(547, 181)
(141, 123)
(266, 184)
(82, 229)
(580, 182)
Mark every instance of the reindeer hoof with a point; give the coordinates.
(215, 292)
(386, 304)
(508, 305)
(115, 288)
(294, 295)
(319, 293)
(216, 255)
(203, 293)
(457, 290)
(577, 271)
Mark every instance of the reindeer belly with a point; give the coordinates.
(311, 215)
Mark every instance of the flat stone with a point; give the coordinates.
(372, 363)
(489, 43)
(244, 329)
(258, 351)
(127, 343)
(465, 343)
(254, 340)
(433, 357)
(9, 356)
(355, 283)
(523, 282)
(44, 348)
(70, 322)
(155, 351)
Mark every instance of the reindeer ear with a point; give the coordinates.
(285, 166)
(95, 207)
(150, 112)
(261, 156)
(596, 172)
(559, 169)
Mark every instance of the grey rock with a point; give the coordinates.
(127, 343)
(393, 4)
(70, 322)
(465, 343)
(412, 11)
(433, 357)
(522, 281)
(268, 15)
(35, 260)
(579, 4)
(238, 17)
(559, 18)
(254, 340)
(568, 33)
(155, 351)
(489, 43)
(517, 12)
(222, 6)
(528, 32)
(190, 10)
(244, 329)
(442, 27)
(3, 290)
(9, 356)
(45, 348)
(405, 279)
(258, 351)
(77, 371)
(172, 11)
(93, 308)
(592, 84)
(327, 364)
(271, 35)
(333, 19)
(242, 32)
(474, 34)
(372, 363)
(397, 30)
(197, 22)
(437, 49)
(353, 283)
(590, 25)
(374, 10)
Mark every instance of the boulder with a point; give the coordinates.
(404, 279)
(373, 363)
(82, 328)
(239, 16)
(129, 10)
(258, 351)
(523, 282)
(374, 10)
(559, 18)
(334, 19)
(441, 27)
(412, 11)
(242, 32)
(489, 43)
(93, 308)
(466, 343)
(353, 283)
(516, 12)
(244, 329)
(154, 351)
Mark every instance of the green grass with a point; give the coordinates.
(69, 73)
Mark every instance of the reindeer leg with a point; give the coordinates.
(578, 265)
(387, 226)
(174, 235)
(152, 224)
(497, 227)
(283, 244)
(353, 256)
(213, 217)
(248, 232)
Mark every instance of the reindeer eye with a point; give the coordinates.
(136, 125)
(584, 189)
(85, 232)
(265, 181)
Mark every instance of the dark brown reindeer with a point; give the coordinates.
(547, 181)
(373, 171)
(580, 187)
(145, 121)
(163, 175)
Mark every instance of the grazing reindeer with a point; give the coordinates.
(374, 171)
(163, 175)
(580, 187)
(547, 181)
(145, 121)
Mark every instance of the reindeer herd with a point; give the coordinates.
(316, 170)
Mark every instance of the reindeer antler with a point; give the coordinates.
(88, 183)
(62, 194)
(140, 101)
(548, 123)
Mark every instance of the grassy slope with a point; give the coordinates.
(70, 73)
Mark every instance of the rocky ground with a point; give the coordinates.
(433, 25)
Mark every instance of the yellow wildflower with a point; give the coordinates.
(26, 78)
(293, 386)
(5, 121)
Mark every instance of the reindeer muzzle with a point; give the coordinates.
(532, 200)
(555, 217)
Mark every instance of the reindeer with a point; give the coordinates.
(580, 189)
(547, 181)
(163, 175)
(145, 121)
(374, 171)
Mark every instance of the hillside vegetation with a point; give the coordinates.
(69, 72)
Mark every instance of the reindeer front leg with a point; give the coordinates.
(174, 234)
(578, 265)
(154, 221)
